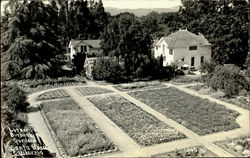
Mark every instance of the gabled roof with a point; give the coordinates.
(184, 38)
(92, 43)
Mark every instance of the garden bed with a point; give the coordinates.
(84, 91)
(180, 80)
(54, 94)
(31, 86)
(144, 128)
(77, 133)
(199, 115)
(242, 100)
(138, 85)
(198, 151)
(239, 147)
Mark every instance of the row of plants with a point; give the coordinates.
(31, 86)
(241, 100)
(144, 128)
(197, 151)
(54, 94)
(238, 146)
(137, 85)
(199, 115)
(14, 121)
(78, 134)
(84, 91)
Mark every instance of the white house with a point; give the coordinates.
(183, 46)
(90, 47)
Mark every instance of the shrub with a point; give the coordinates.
(109, 70)
(228, 78)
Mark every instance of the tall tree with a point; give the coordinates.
(31, 44)
(124, 38)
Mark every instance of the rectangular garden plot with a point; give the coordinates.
(77, 133)
(199, 115)
(197, 151)
(240, 147)
(84, 91)
(54, 94)
(144, 128)
(138, 85)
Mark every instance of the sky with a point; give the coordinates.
(132, 4)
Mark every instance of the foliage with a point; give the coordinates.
(124, 38)
(92, 90)
(109, 70)
(138, 124)
(78, 62)
(31, 44)
(14, 116)
(224, 23)
(230, 144)
(54, 94)
(199, 115)
(76, 131)
(228, 78)
(241, 101)
(197, 151)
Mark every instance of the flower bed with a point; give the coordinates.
(199, 115)
(242, 100)
(144, 128)
(31, 86)
(137, 85)
(239, 146)
(198, 151)
(77, 133)
(84, 91)
(54, 94)
(180, 80)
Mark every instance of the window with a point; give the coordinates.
(182, 59)
(170, 51)
(192, 61)
(163, 48)
(85, 48)
(202, 59)
(81, 48)
(192, 47)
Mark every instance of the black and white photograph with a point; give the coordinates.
(125, 78)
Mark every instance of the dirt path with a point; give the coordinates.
(127, 146)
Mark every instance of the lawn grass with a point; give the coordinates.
(84, 91)
(199, 115)
(54, 94)
(77, 133)
(144, 128)
(198, 151)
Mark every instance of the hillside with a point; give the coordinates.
(141, 11)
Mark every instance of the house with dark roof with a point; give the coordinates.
(183, 46)
(90, 47)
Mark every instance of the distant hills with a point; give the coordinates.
(140, 11)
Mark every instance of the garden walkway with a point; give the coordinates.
(127, 146)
